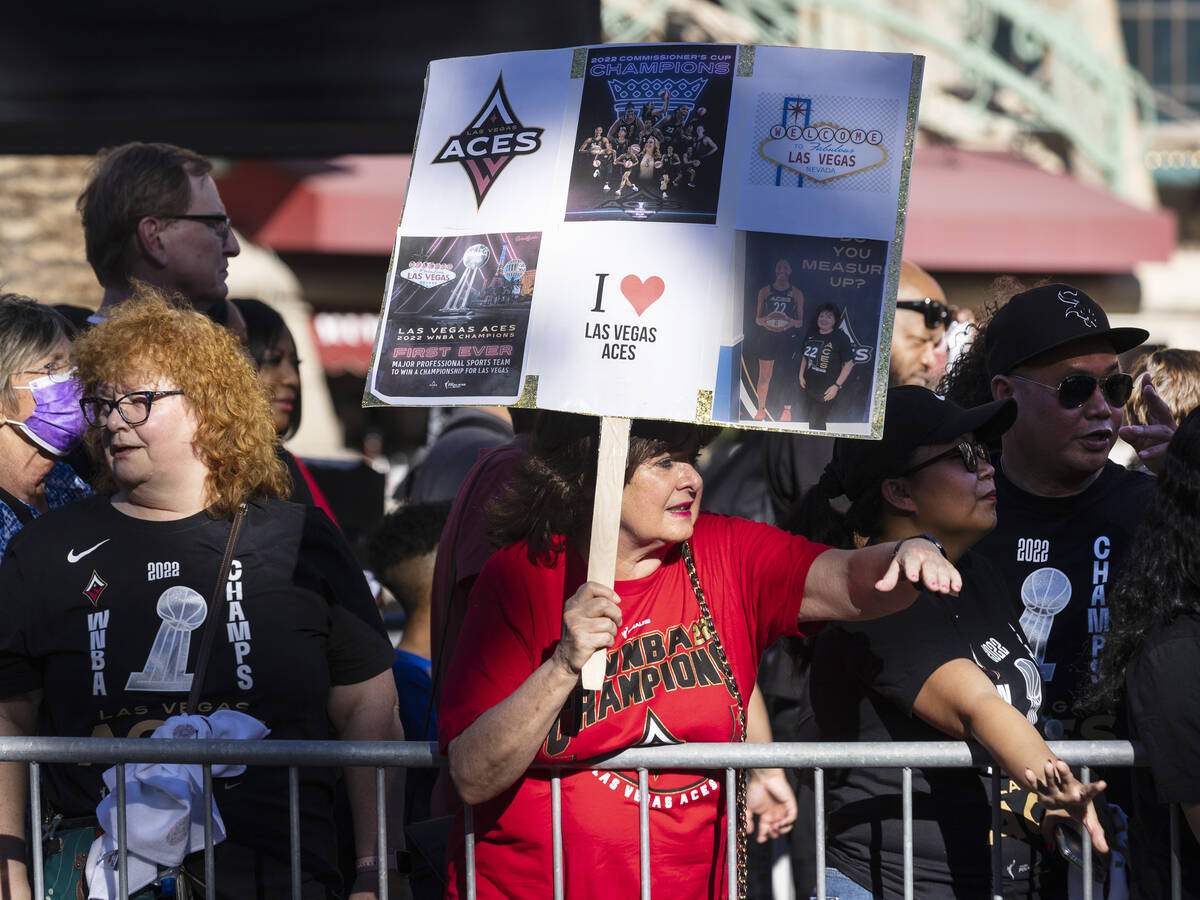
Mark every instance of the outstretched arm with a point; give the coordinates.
(959, 700)
(848, 585)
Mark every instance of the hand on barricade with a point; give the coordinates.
(770, 798)
(1066, 797)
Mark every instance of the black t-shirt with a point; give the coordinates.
(104, 613)
(779, 302)
(1164, 713)
(824, 356)
(864, 680)
(1059, 557)
(301, 492)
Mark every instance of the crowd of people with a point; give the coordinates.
(984, 572)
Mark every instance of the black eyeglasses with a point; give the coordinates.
(220, 225)
(971, 452)
(935, 312)
(134, 407)
(1076, 390)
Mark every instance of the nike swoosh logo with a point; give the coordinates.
(73, 557)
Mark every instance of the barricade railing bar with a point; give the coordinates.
(121, 752)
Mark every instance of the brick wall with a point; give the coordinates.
(41, 240)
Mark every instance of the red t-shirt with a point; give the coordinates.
(663, 687)
(464, 548)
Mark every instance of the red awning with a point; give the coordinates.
(968, 211)
(345, 205)
(971, 211)
(344, 340)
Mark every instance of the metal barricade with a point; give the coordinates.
(729, 757)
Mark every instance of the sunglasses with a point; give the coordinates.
(1076, 390)
(970, 452)
(220, 224)
(935, 312)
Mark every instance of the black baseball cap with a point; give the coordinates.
(1046, 317)
(915, 416)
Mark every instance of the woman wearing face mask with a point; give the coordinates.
(40, 418)
(273, 349)
(956, 668)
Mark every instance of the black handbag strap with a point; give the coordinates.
(20, 510)
(215, 609)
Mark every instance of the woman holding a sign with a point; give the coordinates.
(697, 600)
(936, 669)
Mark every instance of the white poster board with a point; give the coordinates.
(651, 231)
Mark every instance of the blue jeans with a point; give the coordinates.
(839, 887)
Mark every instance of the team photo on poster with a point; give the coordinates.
(650, 140)
(811, 316)
(456, 320)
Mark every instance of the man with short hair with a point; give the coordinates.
(919, 327)
(1066, 514)
(152, 213)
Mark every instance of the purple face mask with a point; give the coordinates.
(56, 423)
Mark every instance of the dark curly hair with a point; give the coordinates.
(551, 494)
(1161, 579)
(410, 531)
(816, 517)
(967, 381)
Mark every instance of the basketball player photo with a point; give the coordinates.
(651, 134)
(810, 323)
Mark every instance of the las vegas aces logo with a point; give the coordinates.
(494, 137)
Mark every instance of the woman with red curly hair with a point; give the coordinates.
(107, 600)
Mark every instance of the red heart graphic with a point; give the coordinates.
(641, 294)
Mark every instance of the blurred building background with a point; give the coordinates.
(1057, 138)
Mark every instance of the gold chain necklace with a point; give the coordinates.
(730, 685)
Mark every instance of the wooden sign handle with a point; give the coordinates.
(606, 523)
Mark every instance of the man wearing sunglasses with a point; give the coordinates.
(1066, 514)
(152, 213)
(922, 318)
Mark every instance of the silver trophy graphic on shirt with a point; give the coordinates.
(1045, 593)
(182, 611)
(1033, 687)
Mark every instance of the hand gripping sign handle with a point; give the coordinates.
(606, 523)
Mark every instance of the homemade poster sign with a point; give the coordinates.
(650, 231)
(700, 233)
